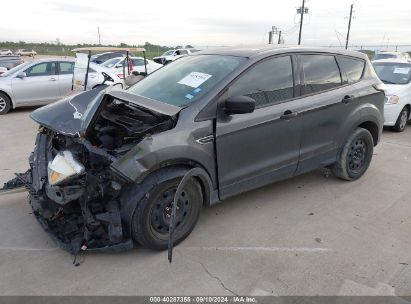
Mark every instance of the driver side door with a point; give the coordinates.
(261, 147)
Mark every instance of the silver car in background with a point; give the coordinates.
(35, 83)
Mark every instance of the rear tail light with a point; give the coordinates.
(121, 76)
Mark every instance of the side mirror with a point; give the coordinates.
(239, 105)
(21, 75)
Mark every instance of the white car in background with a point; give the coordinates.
(396, 74)
(391, 55)
(96, 77)
(37, 82)
(137, 64)
(6, 52)
(26, 52)
(172, 55)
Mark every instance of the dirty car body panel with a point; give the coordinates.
(126, 143)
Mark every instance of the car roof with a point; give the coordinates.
(272, 49)
(389, 52)
(71, 59)
(391, 60)
(131, 57)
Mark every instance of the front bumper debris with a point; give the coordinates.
(81, 213)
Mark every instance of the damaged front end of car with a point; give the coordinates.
(74, 191)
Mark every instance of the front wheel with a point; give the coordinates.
(355, 157)
(5, 104)
(401, 121)
(151, 219)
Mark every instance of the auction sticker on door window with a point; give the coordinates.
(195, 79)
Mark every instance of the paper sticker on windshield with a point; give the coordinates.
(405, 71)
(194, 79)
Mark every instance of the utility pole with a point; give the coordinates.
(349, 27)
(301, 10)
(98, 31)
(274, 31)
(279, 37)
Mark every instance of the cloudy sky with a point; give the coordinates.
(204, 22)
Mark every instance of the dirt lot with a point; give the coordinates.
(306, 236)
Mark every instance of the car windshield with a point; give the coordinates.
(187, 79)
(15, 69)
(384, 56)
(393, 73)
(111, 62)
(168, 53)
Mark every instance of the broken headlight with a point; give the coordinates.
(62, 167)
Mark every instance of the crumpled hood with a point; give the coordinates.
(72, 115)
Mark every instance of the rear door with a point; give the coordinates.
(329, 100)
(261, 147)
(65, 77)
(39, 86)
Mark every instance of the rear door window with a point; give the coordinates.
(351, 69)
(66, 68)
(320, 73)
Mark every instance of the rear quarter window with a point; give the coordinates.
(351, 69)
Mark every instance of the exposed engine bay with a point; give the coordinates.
(119, 126)
(73, 192)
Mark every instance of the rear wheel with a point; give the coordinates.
(5, 104)
(401, 121)
(355, 157)
(150, 222)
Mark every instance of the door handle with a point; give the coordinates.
(52, 79)
(288, 115)
(347, 99)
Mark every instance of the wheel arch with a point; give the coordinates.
(408, 106)
(372, 127)
(9, 96)
(134, 192)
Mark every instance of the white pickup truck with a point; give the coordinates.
(172, 55)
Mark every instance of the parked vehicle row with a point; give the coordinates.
(19, 52)
(43, 81)
(107, 163)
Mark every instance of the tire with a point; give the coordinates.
(5, 104)
(401, 121)
(150, 220)
(355, 157)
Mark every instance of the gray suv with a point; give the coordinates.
(107, 163)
